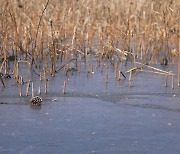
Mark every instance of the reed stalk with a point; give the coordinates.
(107, 78)
(130, 84)
(32, 88)
(166, 81)
(119, 75)
(115, 70)
(45, 81)
(20, 85)
(130, 76)
(172, 81)
(39, 90)
(1, 78)
(169, 73)
(40, 77)
(64, 87)
(37, 31)
(79, 67)
(27, 87)
(178, 50)
(2, 65)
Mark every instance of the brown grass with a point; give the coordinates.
(42, 30)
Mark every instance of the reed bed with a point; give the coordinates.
(49, 34)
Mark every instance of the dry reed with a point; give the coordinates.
(27, 87)
(64, 87)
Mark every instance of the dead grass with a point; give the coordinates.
(146, 29)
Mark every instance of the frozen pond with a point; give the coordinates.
(93, 116)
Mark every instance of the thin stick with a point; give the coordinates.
(123, 74)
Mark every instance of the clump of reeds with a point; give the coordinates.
(46, 34)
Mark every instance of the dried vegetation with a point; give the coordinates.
(50, 33)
